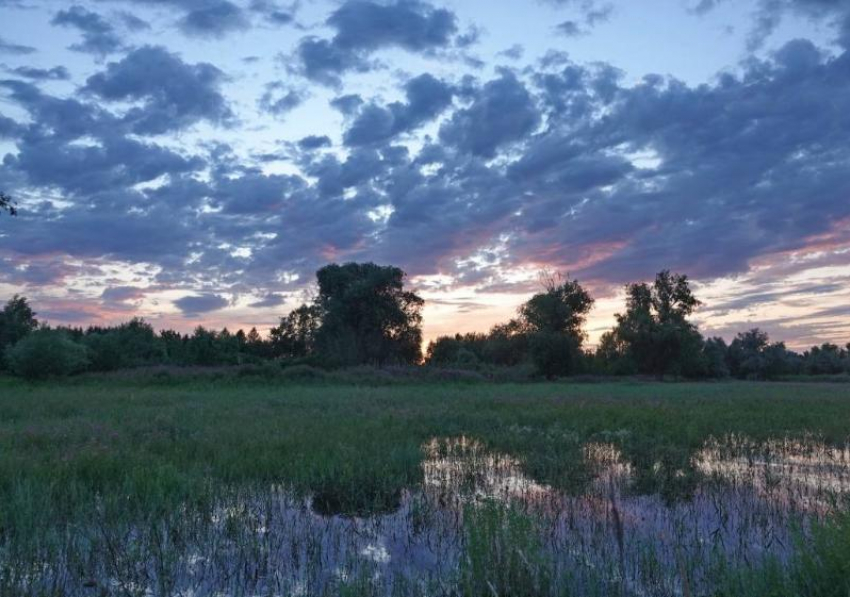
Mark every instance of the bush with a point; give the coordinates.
(46, 353)
(554, 354)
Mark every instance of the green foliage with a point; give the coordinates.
(131, 344)
(752, 356)
(548, 334)
(367, 315)
(46, 353)
(16, 321)
(503, 553)
(654, 332)
(822, 567)
(561, 309)
(554, 354)
(295, 337)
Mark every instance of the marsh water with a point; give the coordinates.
(477, 514)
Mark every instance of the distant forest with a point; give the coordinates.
(363, 315)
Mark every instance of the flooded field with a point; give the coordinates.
(477, 525)
(246, 489)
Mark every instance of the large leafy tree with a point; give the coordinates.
(367, 316)
(16, 321)
(7, 204)
(655, 331)
(553, 322)
(562, 308)
(295, 337)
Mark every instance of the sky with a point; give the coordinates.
(195, 161)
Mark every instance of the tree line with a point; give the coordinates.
(362, 314)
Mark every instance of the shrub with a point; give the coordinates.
(46, 353)
(554, 354)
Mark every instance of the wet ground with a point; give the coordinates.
(751, 502)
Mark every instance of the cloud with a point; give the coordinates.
(8, 47)
(364, 26)
(503, 111)
(176, 94)
(57, 73)
(99, 36)
(199, 304)
(268, 301)
(770, 14)
(427, 97)
(591, 13)
(214, 18)
(278, 99)
(314, 142)
(122, 297)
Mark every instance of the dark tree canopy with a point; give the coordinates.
(7, 204)
(16, 321)
(562, 308)
(367, 315)
(295, 337)
(654, 331)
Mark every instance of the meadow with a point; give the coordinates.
(225, 485)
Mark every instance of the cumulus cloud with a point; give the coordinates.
(214, 18)
(175, 94)
(502, 111)
(427, 97)
(199, 304)
(364, 26)
(99, 36)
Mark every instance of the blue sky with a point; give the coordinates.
(194, 161)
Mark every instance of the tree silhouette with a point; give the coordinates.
(654, 329)
(7, 204)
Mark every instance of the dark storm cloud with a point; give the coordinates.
(8, 47)
(427, 97)
(99, 36)
(199, 304)
(176, 94)
(364, 26)
(57, 73)
(503, 111)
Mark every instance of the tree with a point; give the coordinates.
(131, 344)
(295, 337)
(654, 329)
(17, 320)
(553, 321)
(825, 359)
(367, 317)
(7, 204)
(752, 356)
(46, 353)
(562, 308)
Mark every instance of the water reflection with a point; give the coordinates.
(608, 539)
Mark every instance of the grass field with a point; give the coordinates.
(229, 486)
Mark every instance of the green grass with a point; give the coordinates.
(115, 450)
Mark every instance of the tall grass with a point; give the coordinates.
(101, 471)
